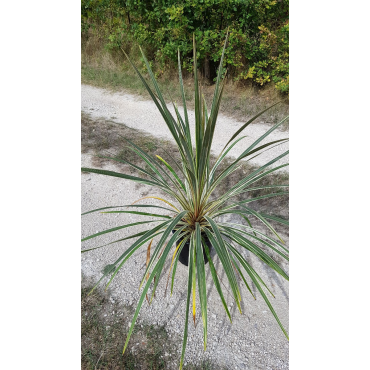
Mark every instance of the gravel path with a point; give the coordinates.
(253, 341)
(143, 115)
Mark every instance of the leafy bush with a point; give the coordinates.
(192, 220)
(258, 43)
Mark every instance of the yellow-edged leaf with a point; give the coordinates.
(173, 258)
(148, 257)
(158, 199)
(147, 263)
(194, 306)
(193, 287)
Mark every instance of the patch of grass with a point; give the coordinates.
(112, 79)
(107, 138)
(104, 326)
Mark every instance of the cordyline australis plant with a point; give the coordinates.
(193, 220)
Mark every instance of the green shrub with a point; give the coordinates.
(258, 34)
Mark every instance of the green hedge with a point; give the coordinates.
(258, 47)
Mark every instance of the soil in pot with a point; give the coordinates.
(184, 254)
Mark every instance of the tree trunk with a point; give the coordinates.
(207, 71)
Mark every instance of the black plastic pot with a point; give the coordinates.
(184, 254)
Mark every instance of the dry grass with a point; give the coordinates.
(102, 137)
(104, 326)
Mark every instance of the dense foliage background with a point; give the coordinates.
(258, 44)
